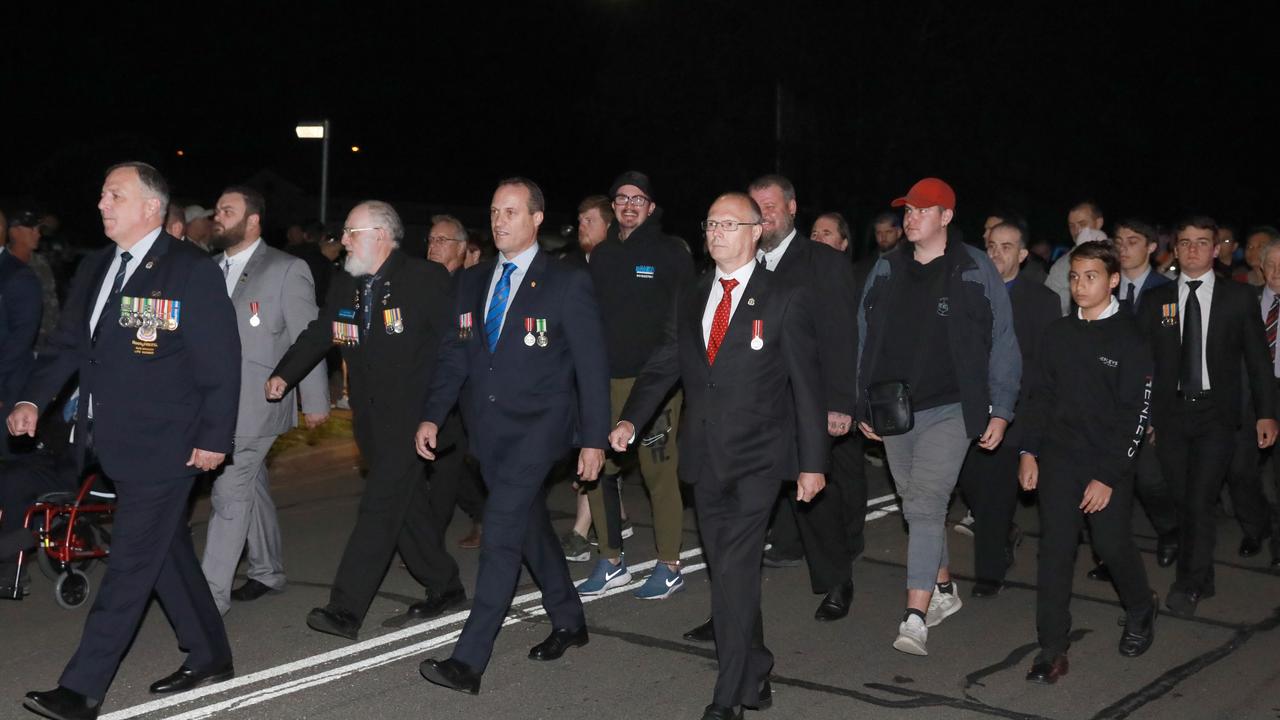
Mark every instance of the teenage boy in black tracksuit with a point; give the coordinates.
(1087, 417)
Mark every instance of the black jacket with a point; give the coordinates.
(636, 282)
(1034, 308)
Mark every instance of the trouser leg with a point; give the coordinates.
(1059, 492)
(989, 481)
(658, 462)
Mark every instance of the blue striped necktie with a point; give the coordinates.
(498, 306)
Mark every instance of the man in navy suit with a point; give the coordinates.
(149, 327)
(743, 343)
(528, 365)
(20, 310)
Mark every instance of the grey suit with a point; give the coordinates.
(279, 286)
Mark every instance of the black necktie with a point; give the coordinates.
(116, 286)
(1129, 297)
(1192, 343)
(367, 301)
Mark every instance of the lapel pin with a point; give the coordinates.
(751, 302)
(150, 264)
(533, 283)
(155, 293)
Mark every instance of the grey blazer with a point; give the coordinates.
(284, 291)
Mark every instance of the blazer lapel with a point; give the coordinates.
(526, 296)
(697, 306)
(104, 264)
(753, 296)
(251, 269)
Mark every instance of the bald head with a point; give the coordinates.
(732, 249)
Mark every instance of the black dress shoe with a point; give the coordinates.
(1183, 603)
(704, 633)
(1140, 632)
(836, 604)
(251, 590)
(62, 704)
(1100, 572)
(1046, 672)
(186, 679)
(453, 674)
(557, 642)
(985, 589)
(436, 604)
(765, 699)
(334, 620)
(720, 712)
(1250, 546)
(1167, 550)
(774, 559)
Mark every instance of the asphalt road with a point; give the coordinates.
(1223, 664)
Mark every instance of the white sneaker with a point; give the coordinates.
(965, 526)
(912, 636)
(943, 605)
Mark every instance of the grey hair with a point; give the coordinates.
(461, 234)
(1271, 246)
(153, 183)
(385, 217)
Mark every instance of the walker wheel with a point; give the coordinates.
(72, 589)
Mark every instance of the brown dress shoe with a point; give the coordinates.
(1047, 672)
(472, 539)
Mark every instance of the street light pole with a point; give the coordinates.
(321, 131)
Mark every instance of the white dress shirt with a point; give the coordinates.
(771, 258)
(1204, 294)
(743, 276)
(522, 261)
(1125, 282)
(233, 265)
(136, 254)
(1267, 297)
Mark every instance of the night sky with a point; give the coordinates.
(1151, 109)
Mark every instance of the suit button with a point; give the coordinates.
(711, 386)
(492, 399)
(93, 362)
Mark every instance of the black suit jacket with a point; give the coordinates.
(1235, 336)
(1153, 281)
(1034, 307)
(833, 301)
(388, 373)
(21, 307)
(521, 403)
(755, 415)
(153, 402)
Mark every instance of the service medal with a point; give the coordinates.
(464, 326)
(147, 332)
(757, 334)
(254, 320)
(542, 332)
(529, 339)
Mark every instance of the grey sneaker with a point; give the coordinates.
(576, 548)
(912, 636)
(965, 526)
(943, 605)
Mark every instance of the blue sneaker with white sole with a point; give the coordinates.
(605, 577)
(662, 583)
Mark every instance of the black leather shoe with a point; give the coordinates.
(436, 604)
(704, 633)
(186, 679)
(1167, 550)
(252, 590)
(765, 699)
(1250, 546)
(1100, 572)
(775, 559)
(62, 704)
(720, 712)
(557, 642)
(334, 620)
(836, 604)
(453, 674)
(1047, 672)
(1183, 603)
(1139, 633)
(986, 589)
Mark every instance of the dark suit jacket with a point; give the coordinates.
(755, 415)
(1154, 280)
(1235, 335)
(388, 373)
(152, 402)
(829, 276)
(1034, 307)
(21, 307)
(526, 404)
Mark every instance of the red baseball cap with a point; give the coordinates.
(927, 193)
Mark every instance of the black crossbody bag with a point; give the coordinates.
(890, 404)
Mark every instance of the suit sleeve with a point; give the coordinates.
(209, 326)
(313, 343)
(1004, 367)
(585, 334)
(1131, 414)
(1041, 399)
(1257, 360)
(452, 366)
(837, 331)
(298, 295)
(23, 304)
(800, 349)
(660, 373)
(66, 344)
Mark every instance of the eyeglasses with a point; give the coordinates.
(632, 200)
(441, 239)
(352, 231)
(725, 225)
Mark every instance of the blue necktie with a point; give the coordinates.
(498, 306)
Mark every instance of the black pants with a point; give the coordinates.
(828, 530)
(1252, 497)
(517, 528)
(1154, 494)
(732, 519)
(989, 482)
(395, 515)
(1195, 450)
(1060, 490)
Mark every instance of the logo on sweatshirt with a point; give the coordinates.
(1108, 361)
(645, 271)
(944, 306)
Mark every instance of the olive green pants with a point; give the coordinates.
(655, 451)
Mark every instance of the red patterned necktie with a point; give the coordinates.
(1273, 315)
(720, 323)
